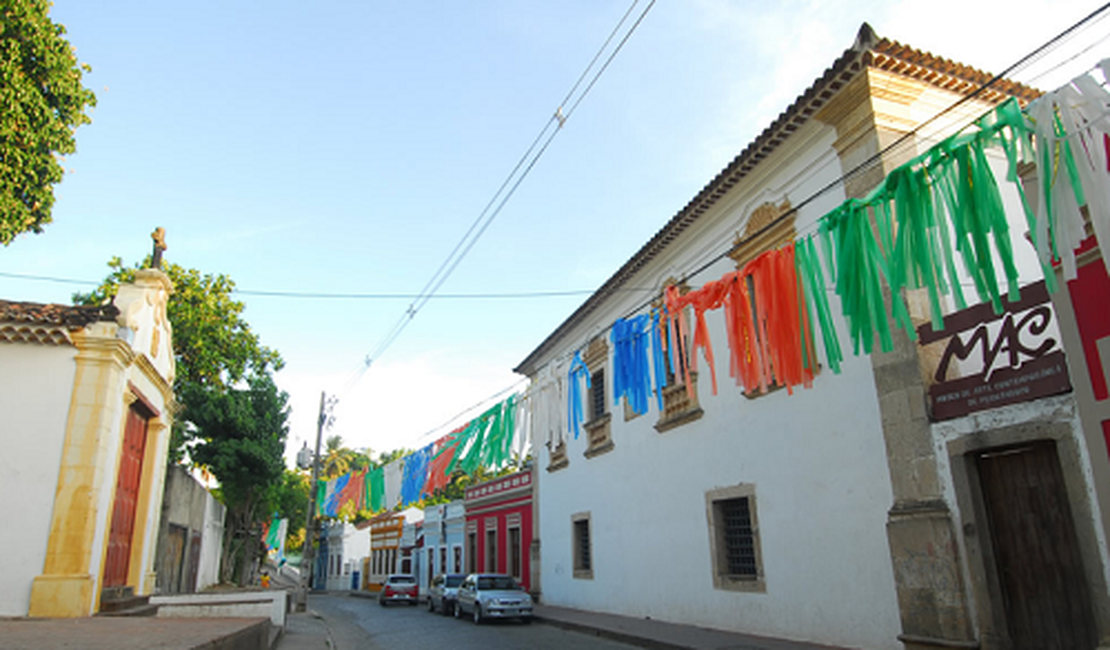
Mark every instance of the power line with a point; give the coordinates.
(501, 197)
(316, 295)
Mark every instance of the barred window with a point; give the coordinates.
(738, 540)
(583, 555)
(597, 395)
(734, 538)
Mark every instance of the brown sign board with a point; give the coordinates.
(991, 360)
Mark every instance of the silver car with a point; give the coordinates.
(442, 592)
(492, 595)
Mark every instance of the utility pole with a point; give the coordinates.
(308, 557)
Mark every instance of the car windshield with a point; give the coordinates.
(402, 580)
(500, 583)
(454, 581)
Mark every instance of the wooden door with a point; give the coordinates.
(190, 585)
(126, 499)
(1040, 571)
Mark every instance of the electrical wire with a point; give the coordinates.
(316, 295)
(512, 182)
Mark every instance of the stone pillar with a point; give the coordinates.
(870, 113)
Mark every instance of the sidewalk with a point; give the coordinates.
(649, 633)
(305, 631)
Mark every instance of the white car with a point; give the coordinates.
(492, 595)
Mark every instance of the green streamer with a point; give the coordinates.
(487, 440)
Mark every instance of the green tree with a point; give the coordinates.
(214, 347)
(42, 102)
(289, 498)
(337, 459)
(240, 437)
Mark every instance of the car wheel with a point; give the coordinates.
(477, 614)
(381, 601)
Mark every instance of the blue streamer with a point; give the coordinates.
(659, 360)
(415, 475)
(631, 372)
(574, 393)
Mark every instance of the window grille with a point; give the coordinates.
(739, 542)
(582, 540)
(597, 395)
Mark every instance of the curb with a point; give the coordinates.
(613, 635)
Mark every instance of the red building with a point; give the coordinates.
(500, 528)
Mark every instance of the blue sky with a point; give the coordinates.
(346, 147)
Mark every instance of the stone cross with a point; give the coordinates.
(159, 237)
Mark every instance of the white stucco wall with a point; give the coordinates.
(211, 543)
(35, 385)
(816, 459)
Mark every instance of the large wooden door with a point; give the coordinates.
(1040, 570)
(126, 500)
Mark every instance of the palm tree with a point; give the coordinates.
(337, 458)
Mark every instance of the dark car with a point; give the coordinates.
(491, 595)
(442, 592)
(398, 588)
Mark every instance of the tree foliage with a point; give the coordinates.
(241, 438)
(42, 102)
(289, 498)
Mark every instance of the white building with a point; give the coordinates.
(348, 545)
(759, 513)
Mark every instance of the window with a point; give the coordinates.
(472, 552)
(680, 402)
(598, 438)
(431, 564)
(734, 538)
(491, 549)
(597, 394)
(583, 551)
(458, 558)
(514, 552)
(443, 559)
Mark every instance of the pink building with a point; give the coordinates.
(500, 528)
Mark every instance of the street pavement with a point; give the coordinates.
(345, 622)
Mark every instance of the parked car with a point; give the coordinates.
(442, 592)
(398, 587)
(490, 595)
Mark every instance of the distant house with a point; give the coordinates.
(444, 527)
(385, 546)
(85, 411)
(500, 527)
(854, 513)
(346, 544)
(190, 540)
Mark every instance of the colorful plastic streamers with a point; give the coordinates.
(577, 370)
(415, 475)
(631, 369)
(375, 489)
(487, 439)
(441, 460)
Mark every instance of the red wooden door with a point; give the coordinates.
(127, 497)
